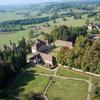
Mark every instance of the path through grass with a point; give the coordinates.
(69, 73)
(62, 89)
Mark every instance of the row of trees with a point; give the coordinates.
(27, 21)
(7, 28)
(68, 33)
(85, 55)
(14, 59)
(77, 16)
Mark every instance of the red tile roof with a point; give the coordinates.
(64, 43)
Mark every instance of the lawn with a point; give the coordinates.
(41, 70)
(26, 83)
(63, 89)
(13, 36)
(69, 73)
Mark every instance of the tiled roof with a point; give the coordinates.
(46, 57)
(97, 35)
(64, 43)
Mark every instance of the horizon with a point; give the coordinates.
(18, 2)
(24, 2)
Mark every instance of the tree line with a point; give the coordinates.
(7, 28)
(66, 33)
(86, 52)
(13, 58)
(85, 55)
(27, 21)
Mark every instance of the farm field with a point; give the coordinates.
(17, 35)
(63, 89)
(10, 16)
(70, 21)
(13, 36)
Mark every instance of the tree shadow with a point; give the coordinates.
(16, 86)
(29, 65)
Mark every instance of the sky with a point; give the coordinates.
(10, 2)
(14, 2)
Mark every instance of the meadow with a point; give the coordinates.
(6, 16)
(27, 82)
(31, 81)
(13, 36)
(69, 73)
(63, 89)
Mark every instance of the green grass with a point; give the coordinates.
(70, 21)
(69, 73)
(13, 36)
(10, 16)
(26, 83)
(68, 90)
(37, 69)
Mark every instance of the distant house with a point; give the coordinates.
(43, 58)
(40, 54)
(64, 43)
(95, 36)
(36, 59)
(93, 26)
(41, 46)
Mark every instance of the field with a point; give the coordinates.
(13, 36)
(26, 83)
(29, 82)
(70, 21)
(67, 90)
(68, 73)
(35, 79)
(41, 70)
(6, 16)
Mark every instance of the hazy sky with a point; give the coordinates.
(7, 2)
(10, 2)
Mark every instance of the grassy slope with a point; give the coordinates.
(26, 83)
(68, 73)
(67, 90)
(40, 70)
